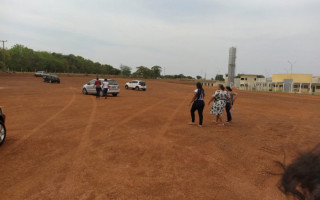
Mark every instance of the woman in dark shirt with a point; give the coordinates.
(197, 104)
(97, 83)
(232, 97)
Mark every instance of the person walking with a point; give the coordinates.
(105, 86)
(97, 84)
(219, 97)
(197, 104)
(232, 96)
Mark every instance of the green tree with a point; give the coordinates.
(125, 70)
(219, 77)
(198, 77)
(156, 71)
(142, 72)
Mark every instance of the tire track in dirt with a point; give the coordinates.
(68, 184)
(77, 159)
(159, 139)
(129, 118)
(164, 128)
(34, 131)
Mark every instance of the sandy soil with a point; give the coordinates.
(62, 144)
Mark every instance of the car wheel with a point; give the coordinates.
(144, 89)
(2, 132)
(114, 94)
(84, 91)
(137, 88)
(126, 87)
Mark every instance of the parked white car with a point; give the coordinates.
(136, 84)
(40, 73)
(90, 88)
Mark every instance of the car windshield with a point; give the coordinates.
(112, 82)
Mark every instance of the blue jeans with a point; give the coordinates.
(228, 107)
(105, 92)
(98, 92)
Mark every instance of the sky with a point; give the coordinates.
(190, 37)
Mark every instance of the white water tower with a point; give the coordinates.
(232, 65)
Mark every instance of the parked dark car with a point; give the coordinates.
(51, 78)
(2, 127)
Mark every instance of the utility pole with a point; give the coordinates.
(3, 41)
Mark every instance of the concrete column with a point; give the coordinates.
(283, 87)
(300, 88)
(310, 91)
(291, 87)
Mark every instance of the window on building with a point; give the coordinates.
(241, 85)
(245, 78)
(318, 87)
(255, 79)
(296, 86)
(242, 79)
(305, 86)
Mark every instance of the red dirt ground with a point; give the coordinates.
(62, 144)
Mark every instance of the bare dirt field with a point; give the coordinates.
(62, 144)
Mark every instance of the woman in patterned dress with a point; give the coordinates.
(220, 97)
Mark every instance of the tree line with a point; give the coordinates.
(21, 58)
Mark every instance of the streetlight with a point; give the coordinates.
(291, 65)
(291, 74)
(3, 41)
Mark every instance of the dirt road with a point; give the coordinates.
(62, 144)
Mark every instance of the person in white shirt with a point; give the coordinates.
(105, 86)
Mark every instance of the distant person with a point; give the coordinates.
(219, 97)
(301, 179)
(105, 86)
(97, 84)
(232, 96)
(197, 104)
